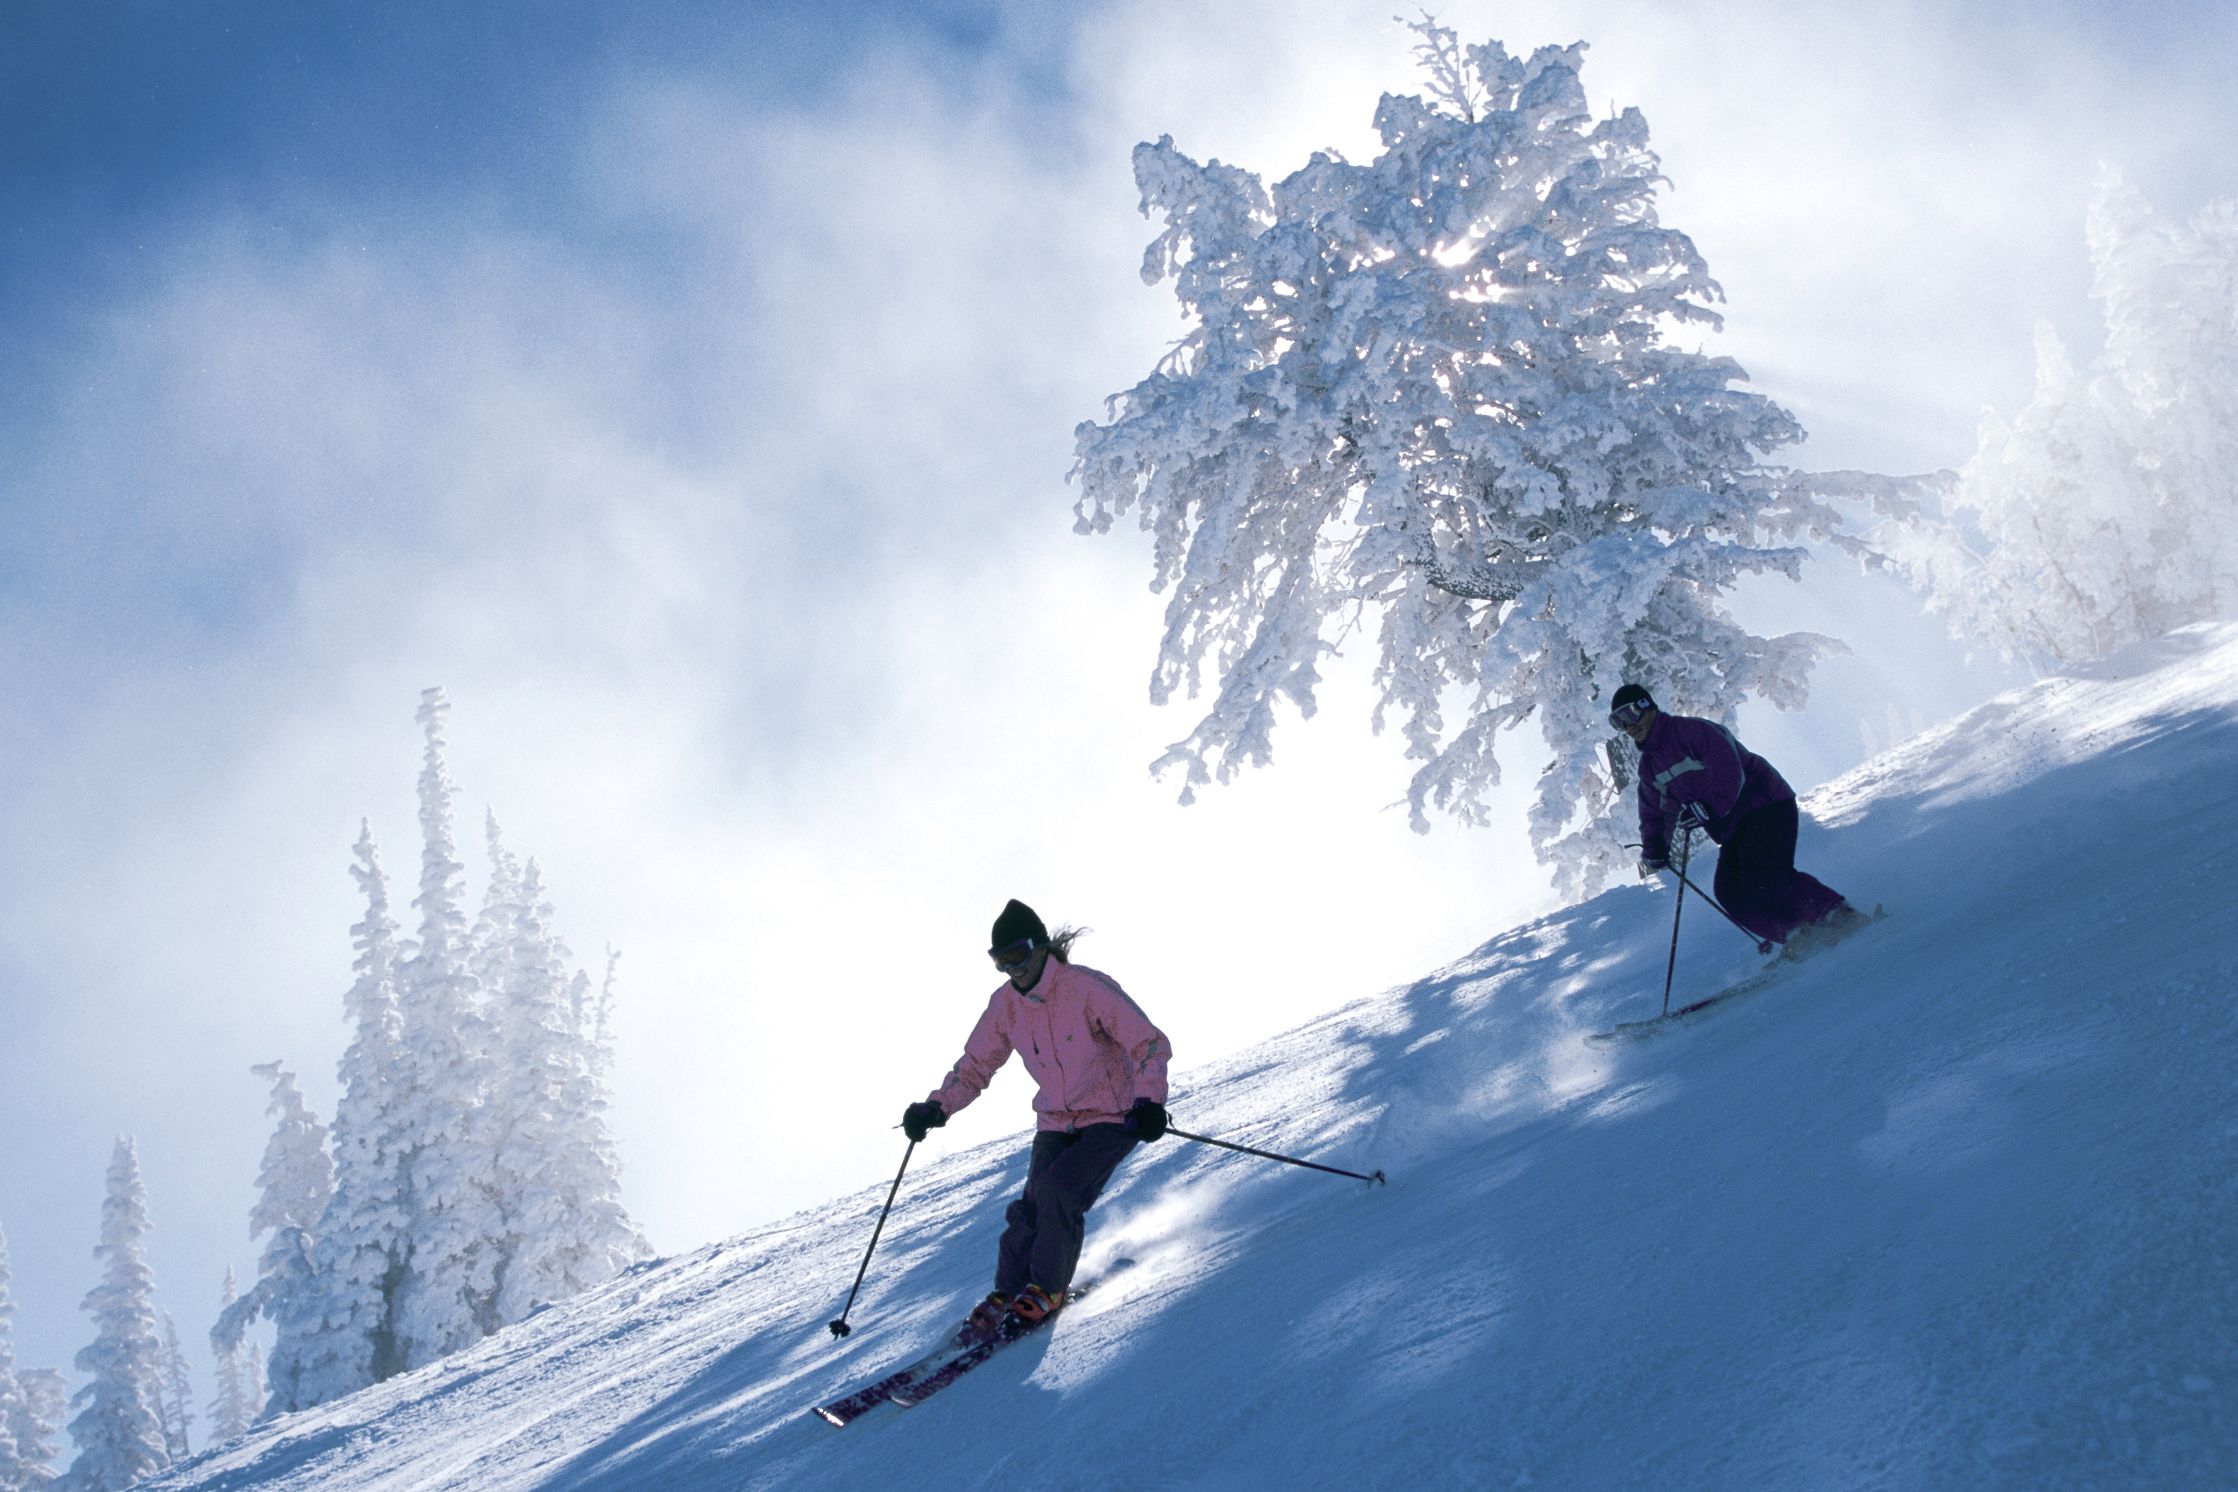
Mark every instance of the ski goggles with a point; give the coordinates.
(1011, 957)
(1627, 715)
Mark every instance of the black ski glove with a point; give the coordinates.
(919, 1119)
(1147, 1119)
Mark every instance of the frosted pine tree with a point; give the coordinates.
(591, 1098)
(566, 1227)
(37, 1427)
(609, 1227)
(240, 1397)
(526, 980)
(294, 1186)
(31, 1405)
(14, 1406)
(447, 1299)
(117, 1427)
(176, 1407)
(363, 1240)
(2101, 513)
(1438, 393)
(493, 940)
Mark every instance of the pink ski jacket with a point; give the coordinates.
(1090, 1048)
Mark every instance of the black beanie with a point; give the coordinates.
(1017, 923)
(1630, 694)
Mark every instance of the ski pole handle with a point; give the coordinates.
(840, 1327)
(1289, 1160)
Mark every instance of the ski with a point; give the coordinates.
(1011, 1330)
(1626, 1030)
(845, 1411)
(1777, 970)
(964, 1348)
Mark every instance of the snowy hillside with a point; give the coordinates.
(1953, 1206)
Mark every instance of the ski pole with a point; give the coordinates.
(1670, 970)
(840, 1327)
(1288, 1160)
(1763, 945)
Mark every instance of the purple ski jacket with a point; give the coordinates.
(1090, 1048)
(1686, 762)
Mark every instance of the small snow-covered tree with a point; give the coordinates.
(294, 1187)
(1438, 392)
(38, 1430)
(447, 1297)
(363, 1237)
(566, 1227)
(31, 1404)
(14, 1405)
(590, 1097)
(611, 1232)
(2101, 514)
(176, 1406)
(240, 1397)
(496, 930)
(117, 1428)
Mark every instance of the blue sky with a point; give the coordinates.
(688, 390)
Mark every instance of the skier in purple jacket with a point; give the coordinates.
(1695, 772)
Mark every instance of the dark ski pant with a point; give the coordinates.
(1041, 1245)
(1757, 880)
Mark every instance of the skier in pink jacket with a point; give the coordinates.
(1101, 1065)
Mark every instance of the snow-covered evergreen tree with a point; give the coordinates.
(294, 1187)
(473, 1175)
(2102, 513)
(38, 1432)
(176, 1405)
(31, 1404)
(13, 1404)
(610, 1228)
(240, 1397)
(447, 1299)
(566, 1227)
(117, 1428)
(494, 939)
(594, 1091)
(363, 1241)
(1438, 391)
(525, 979)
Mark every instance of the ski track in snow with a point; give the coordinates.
(1952, 1205)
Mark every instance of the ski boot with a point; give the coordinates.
(1817, 937)
(1033, 1306)
(1837, 925)
(986, 1318)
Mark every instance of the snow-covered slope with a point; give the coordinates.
(1953, 1206)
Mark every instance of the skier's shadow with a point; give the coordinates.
(923, 1277)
